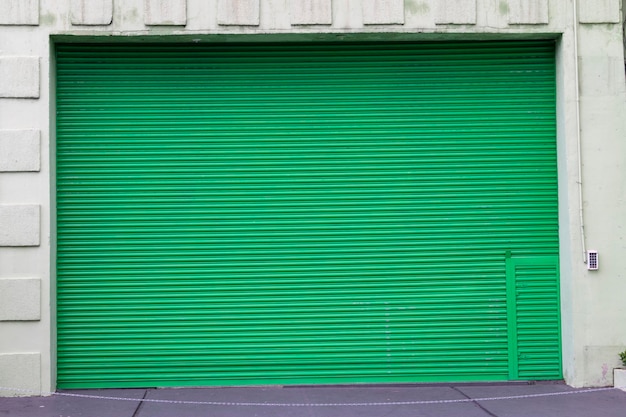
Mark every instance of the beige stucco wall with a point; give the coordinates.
(593, 307)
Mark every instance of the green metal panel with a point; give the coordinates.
(534, 320)
(299, 213)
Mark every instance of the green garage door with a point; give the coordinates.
(306, 213)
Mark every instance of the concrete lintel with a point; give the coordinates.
(20, 299)
(20, 150)
(92, 12)
(20, 225)
(19, 77)
(311, 12)
(239, 13)
(19, 12)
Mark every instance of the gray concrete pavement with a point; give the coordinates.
(345, 401)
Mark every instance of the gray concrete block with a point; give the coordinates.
(599, 11)
(20, 371)
(165, 12)
(19, 225)
(19, 77)
(619, 379)
(20, 299)
(383, 12)
(311, 12)
(240, 12)
(91, 12)
(19, 12)
(528, 12)
(456, 12)
(20, 150)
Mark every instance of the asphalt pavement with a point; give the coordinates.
(463, 400)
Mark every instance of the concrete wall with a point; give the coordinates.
(590, 46)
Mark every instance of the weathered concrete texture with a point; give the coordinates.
(20, 299)
(456, 12)
(275, 14)
(311, 12)
(19, 76)
(528, 12)
(599, 11)
(165, 12)
(383, 12)
(241, 13)
(19, 12)
(21, 371)
(619, 379)
(20, 225)
(347, 14)
(20, 150)
(91, 12)
(599, 364)
(602, 74)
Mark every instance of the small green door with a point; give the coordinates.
(306, 213)
(534, 342)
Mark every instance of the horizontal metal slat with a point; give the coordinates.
(294, 213)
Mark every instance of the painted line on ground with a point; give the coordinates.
(268, 404)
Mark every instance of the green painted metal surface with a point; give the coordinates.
(301, 213)
(534, 319)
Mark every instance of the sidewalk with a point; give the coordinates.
(538, 400)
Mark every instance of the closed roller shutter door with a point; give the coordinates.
(305, 213)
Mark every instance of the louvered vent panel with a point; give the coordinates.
(538, 318)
